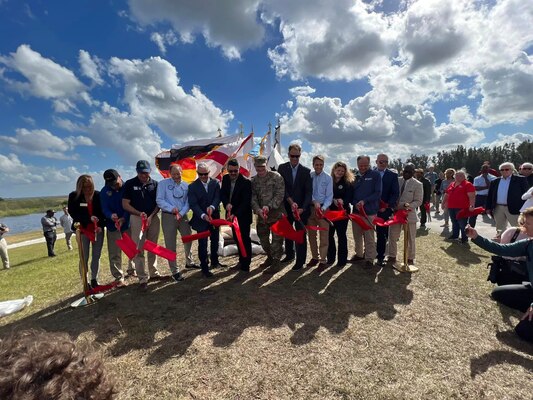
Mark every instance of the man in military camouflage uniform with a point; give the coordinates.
(268, 189)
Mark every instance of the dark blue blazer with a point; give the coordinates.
(517, 187)
(199, 200)
(390, 189)
(301, 191)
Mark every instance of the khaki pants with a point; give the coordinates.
(501, 216)
(369, 239)
(394, 235)
(3, 253)
(170, 226)
(151, 234)
(318, 252)
(115, 255)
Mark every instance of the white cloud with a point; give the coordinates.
(44, 78)
(124, 134)
(163, 39)
(42, 143)
(68, 125)
(153, 93)
(502, 138)
(90, 67)
(232, 26)
(302, 91)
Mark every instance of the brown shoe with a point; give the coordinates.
(312, 263)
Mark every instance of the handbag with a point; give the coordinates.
(503, 271)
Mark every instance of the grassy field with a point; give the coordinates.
(330, 334)
(30, 205)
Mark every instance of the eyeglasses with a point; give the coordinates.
(203, 173)
(383, 161)
(526, 168)
(294, 155)
(232, 171)
(505, 169)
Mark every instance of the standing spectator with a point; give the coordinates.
(411, 195)
(3, 246)
(505, 197)
(432, 177)
(298, 193)
(111, 201)
(139, 200)
(343, 181)
(66, 223)
(236, 195)
(172, 199)
(389, 197)
(49, 223)
(204, 200)
(449, 175)
(85, 208)
(481, 184)
(322, 198)
(268, 189)
(426, 185)
(526, 170)
(366, 196)
(459, 195)
(438, 192)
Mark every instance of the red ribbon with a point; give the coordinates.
(427, 206)
(144, 223)
(159, 250)
(91, 234)
(238, 235)
(466, 213)
(127, 245)
(316, 228)
(196, 236)
(382, 204)
(219, 222)
(101, 288)
(400, 217)
(283, 227)
(359, 220)
(335, 215)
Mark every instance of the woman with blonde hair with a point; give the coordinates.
(85, 208)
(343, 181)
(448, 179)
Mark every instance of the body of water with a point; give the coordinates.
(23, 223)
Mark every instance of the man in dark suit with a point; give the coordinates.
(426, 185)
(298, 193)
(236, 195)
(390, 191)
(204, 200)
(505, 197)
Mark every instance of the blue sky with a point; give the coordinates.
(85, 86)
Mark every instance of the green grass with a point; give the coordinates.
(30, 205)
(332, 334)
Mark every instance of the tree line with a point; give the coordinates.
(470, 158)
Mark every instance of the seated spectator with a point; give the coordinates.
(38, 365)
(517, 296)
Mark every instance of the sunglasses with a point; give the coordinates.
(294, 155)
(203, 174)
(505, 169)
(526, 168)
(383, 161)
(232, 171)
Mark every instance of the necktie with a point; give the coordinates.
(403, 188)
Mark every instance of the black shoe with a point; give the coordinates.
(287, 259)
(191, 266)
(313, 262)
(143, 287)
(94, 283)
(52, 255)
(356, 259)
(341, 264)
(177, 277)
(368, 264)
(207, 274)
(380, 262)
(218, 265)
(330, 262)
(245, 269)
(297, 267)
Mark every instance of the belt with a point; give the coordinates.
(498, 204)
(166, 212)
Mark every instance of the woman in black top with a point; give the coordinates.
(85, 208)
(343, 181)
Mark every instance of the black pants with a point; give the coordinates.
(340, 227)
(481, 201)
(247, 242)
(423, 215)
(382, 233)
(202, 249)
(50, 238)
(518, 296)
(301, 249)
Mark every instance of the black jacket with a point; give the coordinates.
(241, 199)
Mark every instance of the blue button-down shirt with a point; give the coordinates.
(172, 195)
(322, 189)
(368, 188)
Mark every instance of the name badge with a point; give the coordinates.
(137, 188)
(83, 204)
(368, 179)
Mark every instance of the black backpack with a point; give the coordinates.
(503, 271)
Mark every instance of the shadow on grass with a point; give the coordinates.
(463, 253)
(480, 365)
(169, 317)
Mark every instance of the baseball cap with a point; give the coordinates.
(143, 166)
(260, 160)
(50, 211)
(111, 177)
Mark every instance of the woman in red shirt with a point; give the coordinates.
(460, 194)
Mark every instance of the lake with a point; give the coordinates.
(24, 223)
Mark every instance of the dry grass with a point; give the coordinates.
(334, 334)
